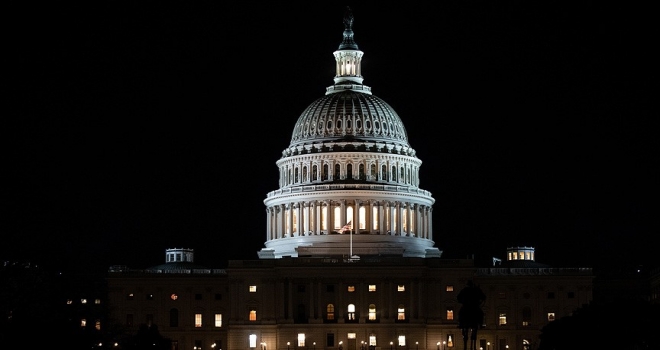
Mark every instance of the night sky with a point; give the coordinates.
(138, 128)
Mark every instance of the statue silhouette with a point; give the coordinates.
(470, 316)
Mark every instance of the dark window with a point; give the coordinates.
(526, 295)
(198, 296)
(330, 288)
(129, 320)
(571, 295)
(551, 295)
(150, 297)
(330, 340)
(301, 316)
(218, 296)
(301, 288)
(174, 318)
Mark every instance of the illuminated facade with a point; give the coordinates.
(349, 260)
(349, 180)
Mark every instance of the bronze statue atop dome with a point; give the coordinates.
(348, 19)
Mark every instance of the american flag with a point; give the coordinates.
(346, 227)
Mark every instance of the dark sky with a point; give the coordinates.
(139, 128)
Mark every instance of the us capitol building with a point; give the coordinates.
(349, 261)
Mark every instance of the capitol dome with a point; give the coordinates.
(349, 180)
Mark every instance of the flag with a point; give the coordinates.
(346, 227)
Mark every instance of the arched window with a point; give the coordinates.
(362, 221)
(361, 174)
(324, 215)
(315, 175)
(373, 172)
(349, 171)
(330, 312)
(324, 176)
(393, 175)
(383, 175)
(351, 312)
(337, 172)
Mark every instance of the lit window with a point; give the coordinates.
(450, 314)
(253, 315)
(401, 340)
(253, 289)
(372, 312)
(551, 316)
(351, 289)
(97, 301)
(351, 336)
(83, 301)
(372, 287)
(130, 296)
(351, 312)
(450, 340)
(218, 320)
(330, 310)
(174, 296)
(401, 313)
(301, 339)
(83, 322)
(449, 288)
(502, 319)
(198, 320)
(69, 301)
(401, 288)
(372, 340)
(97, 325)
(253, 340)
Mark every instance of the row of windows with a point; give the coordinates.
(330, 315)
(351, 288)
(372, 342)
(173, 296)
(291, 174)
(83, 301)
(174, 319)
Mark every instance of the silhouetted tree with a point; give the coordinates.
(622, 324)
(148, 337)
(470, 316)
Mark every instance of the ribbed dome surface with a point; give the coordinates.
(349, 115)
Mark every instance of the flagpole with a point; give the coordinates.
(351, 238)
